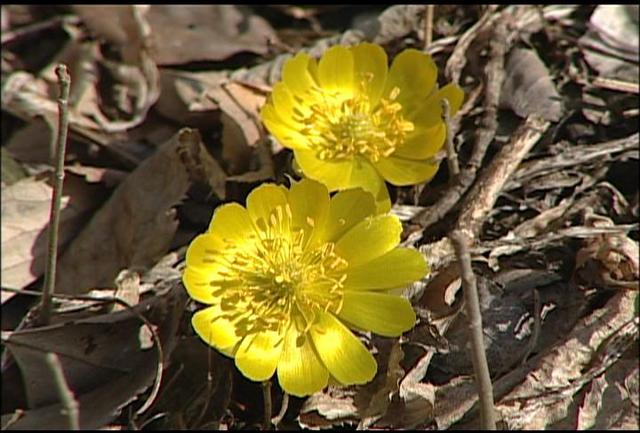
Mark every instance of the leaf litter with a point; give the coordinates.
(165, 126)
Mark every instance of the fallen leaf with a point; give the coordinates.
(102, 379)
(528, 88)
(610, 260)
(610, 46)
(190, 33)
(26, 207)
(135, 226)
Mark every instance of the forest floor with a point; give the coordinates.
(164, 127)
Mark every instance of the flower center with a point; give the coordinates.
(277, 274)
(342, 127)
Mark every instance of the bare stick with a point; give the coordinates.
(452, 156)
(488, 186)
(54, 220)
(494, 74)
(68, 400)
(472, 305)
(266, 397)
(283, 411)
(428, 26)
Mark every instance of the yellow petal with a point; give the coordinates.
(341, 352)
(429, 113)
(264, 201)
(397, 268)
(300, 371)
(215, 330)
(231, 222)
(370, 63)
(258, 355)
(414, 74)
(309, 201)
(343, 174)
(199, 285)
(335, 70)
(401, 172)
(423, 143)
(369, 239)
(347, 208)
(296, 75)
(287, 107)
(384, 314)
(284, 133)
(206, 256)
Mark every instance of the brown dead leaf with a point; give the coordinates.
(137, 81)
(26, 207)
(610, 260)
(242, 131)
(136, 225)
(610, 45)
(527, 87)
(191, 33)
(329, 408)
(102, 379)
(596, 343)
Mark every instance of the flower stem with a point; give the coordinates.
(266, 397)
(54, 220)
(283, 411)
(479, 358)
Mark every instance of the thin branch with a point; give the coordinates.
(472, 305)
(283, 411)
(266, 398)
(68, 400)
(54, 220)
(488, 186)
(428, 26)
(494, 74)
(452, 156)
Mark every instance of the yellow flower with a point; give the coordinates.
(353, 122)
(288, 276)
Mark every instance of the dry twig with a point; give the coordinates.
(494, 74)
(54, 221)
(67, 398)
(472, 304)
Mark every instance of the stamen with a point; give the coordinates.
(276, 270)
(340, 127)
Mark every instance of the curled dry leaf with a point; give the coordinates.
(610, 260)
(611, 45)
(26, 207)
(548, 395)
(102, 379)
(135, 226)
(241, 126)
(137, 78)
(527, 87)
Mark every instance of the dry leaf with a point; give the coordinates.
(137, 80)
(190, 33)
(26, 207)
(102, 379)
(135, 226)
(610, 46)
(610, 260)
(527, 87)
(595, 344)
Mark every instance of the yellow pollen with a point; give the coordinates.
(341, 128)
